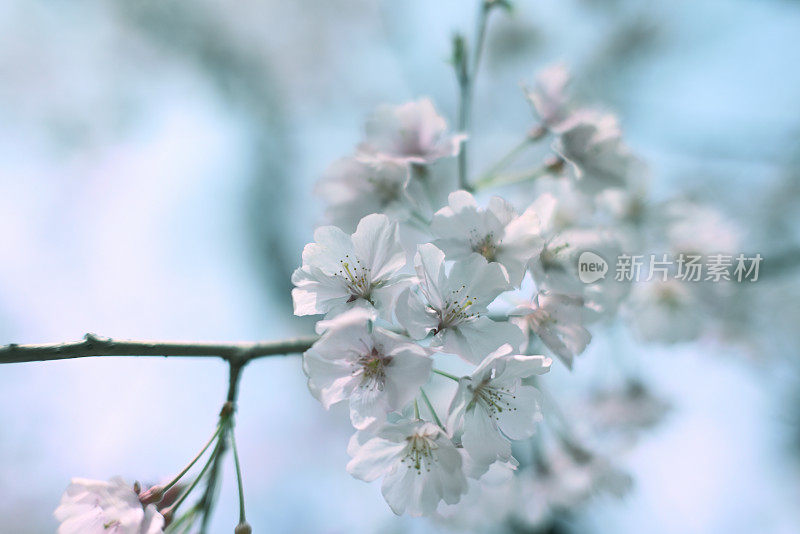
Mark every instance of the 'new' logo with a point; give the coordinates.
(591, 267)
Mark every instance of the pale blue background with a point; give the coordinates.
(146, 152)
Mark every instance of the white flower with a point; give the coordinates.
(341, 271)
(694, 228)
(556, 266)
(561, 205)
(354, 188)
(419, 463)
(592, 143)
(565, 478)
(377, 370)
(454, 305)
(493, 405)
(497, 233)
(667, 311)
(548, 95)
(100, 507)
(624, 410)
(489, 501)
(410, 133)
(558, 321)
(555, 269)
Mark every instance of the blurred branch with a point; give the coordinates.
(93, 345)
(244, 78)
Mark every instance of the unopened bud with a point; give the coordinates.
(151, 495)
(243, 528)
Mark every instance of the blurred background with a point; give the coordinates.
(157, 161)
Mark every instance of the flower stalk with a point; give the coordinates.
(466, 71)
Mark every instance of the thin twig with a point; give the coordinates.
(226, 422)
(430, 408)
(93, 345)
(466, 72)
(242, 518)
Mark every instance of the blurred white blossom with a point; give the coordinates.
(354, 188)
(409, 133)
(591, 142)
(548, 95)
(100, 507)
(558, 321)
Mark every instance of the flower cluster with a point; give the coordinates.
(479, 286)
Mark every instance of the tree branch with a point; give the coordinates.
(94, 345)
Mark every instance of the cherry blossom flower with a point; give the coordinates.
(455, 305)
(410, 133)
(666, 311)
(625, 410)
(592, 143)
(561, 205)
(354, 188)
(419, 464)
(497, 233)
(558, 321)
(100, 507)
(341, 271)
(697, 229)
(555, 269)
(377, 370)
(493, 406)
(565, 478)
(488, 502)
(548, 95)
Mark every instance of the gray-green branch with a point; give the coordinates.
(93, 345)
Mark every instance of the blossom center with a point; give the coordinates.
(114, 523)
(494, 399)
(357, 278)
(456, 310)
(540, 318)
(486, 247)
(372, 368)
(386, 191)
(549, 258)
(411, 144)
(420, 452)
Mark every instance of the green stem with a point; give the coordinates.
(416, 409)
(238, 475)
(511, 178)
(466, 72)
(199, 477)
(194, 461)
(448, 375)
(506, 160)
(430, 407)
